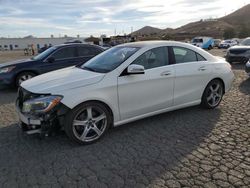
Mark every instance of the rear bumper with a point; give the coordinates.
(229, 81)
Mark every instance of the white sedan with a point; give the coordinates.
(227, 44)
(123, 84)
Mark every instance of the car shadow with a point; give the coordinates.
(245, 86)
(141, 151)
(7, 95)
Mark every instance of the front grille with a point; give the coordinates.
(240, 51)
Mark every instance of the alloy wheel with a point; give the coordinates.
(215, 94)
(24, 78)
(89, 124)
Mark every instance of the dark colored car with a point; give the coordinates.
(56, 57)
(239, 53)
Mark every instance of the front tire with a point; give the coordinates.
(87, 122)
(213, 94)
(23, 77)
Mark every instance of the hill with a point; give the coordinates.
(210, 27)
(213, 28)
(147, 30)
(239, 17)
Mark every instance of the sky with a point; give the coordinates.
(42, 18)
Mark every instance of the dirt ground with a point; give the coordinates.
(6, 56)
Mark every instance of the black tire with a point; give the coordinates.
(205, 102)
(78, 111)
(22, 75)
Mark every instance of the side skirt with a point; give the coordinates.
(118, 123)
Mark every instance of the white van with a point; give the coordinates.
(203, 42)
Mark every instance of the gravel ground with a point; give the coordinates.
(185, 148)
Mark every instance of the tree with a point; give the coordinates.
(244, 32)
(229, 33)
(167, 37)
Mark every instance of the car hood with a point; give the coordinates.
(15, 62)
(240, 48)
(60, 80)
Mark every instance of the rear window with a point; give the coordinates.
(246, 42)
(198, 40)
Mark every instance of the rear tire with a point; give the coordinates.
(23, 77)
(213, 94)
(87, 122)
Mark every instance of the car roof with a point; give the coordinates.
(142, 44)
(154, 44)
(76, 44)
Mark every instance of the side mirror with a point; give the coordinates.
(135, 69)
(50, 60)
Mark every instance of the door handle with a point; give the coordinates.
(203, 68)
(166, 73)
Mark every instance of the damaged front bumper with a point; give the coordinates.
(39, 123)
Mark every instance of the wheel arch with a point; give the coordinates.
(23, 71)
(104, 104)
(221, 80)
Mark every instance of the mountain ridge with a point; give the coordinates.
(210, 27)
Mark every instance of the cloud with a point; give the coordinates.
(88, 17)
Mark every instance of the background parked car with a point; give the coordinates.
(227, 44)
(239, 53)
(217, 42)
(56, 57)
(203, 42)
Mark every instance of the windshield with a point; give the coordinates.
(198, 40)
(110, 59)
(44, 54)
(246, 42)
